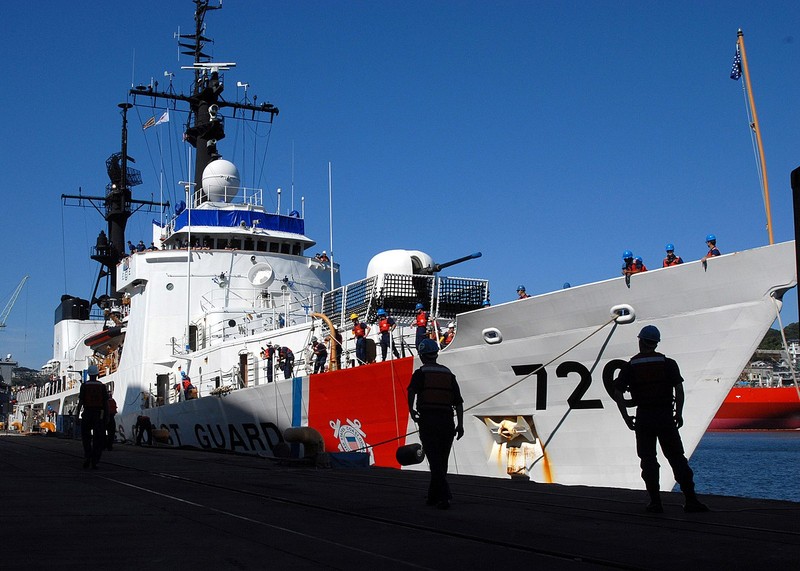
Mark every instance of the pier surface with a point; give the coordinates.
(162, 508)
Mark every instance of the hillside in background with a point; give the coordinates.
(772, 340)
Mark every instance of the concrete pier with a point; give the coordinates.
(162, 508)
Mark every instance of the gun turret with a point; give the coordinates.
(430, 270)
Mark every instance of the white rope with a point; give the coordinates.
(786, 347)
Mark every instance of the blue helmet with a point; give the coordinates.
(639, 259)
(520, 288)
(427, 347)
(650, 333)
(381, 311)
(92, 371)
(670, 247)
(711, 238)
(627, 254)
(419, 306)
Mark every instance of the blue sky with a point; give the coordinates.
(550, 136)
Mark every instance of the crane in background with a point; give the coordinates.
(10, 304)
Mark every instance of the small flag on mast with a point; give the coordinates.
(150, 122)
(164, 118)
(736, 68)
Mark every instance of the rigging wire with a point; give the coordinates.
(754, 144)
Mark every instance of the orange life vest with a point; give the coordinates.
(358, 330)
(422, 319)
(384, 326)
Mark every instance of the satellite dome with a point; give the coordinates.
(221, 181)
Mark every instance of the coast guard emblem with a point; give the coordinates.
(351, 437)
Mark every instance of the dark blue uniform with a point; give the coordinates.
(93, 400)
(437, 393)
(653, 380)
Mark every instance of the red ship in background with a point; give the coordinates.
(759, 408)
(765, 398)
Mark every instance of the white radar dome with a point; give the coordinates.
(221, 181)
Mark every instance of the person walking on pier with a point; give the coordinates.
(143, 425)
(437, 394)
(93, 399)
(656, 388)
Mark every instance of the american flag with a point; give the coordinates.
(736, 68)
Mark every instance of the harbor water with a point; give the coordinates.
(750, 464)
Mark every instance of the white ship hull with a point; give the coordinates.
(711, 321)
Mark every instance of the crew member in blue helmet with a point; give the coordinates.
(711, 242)
(521, 294)
(386, 326)
(671, 259)
(628, 265)
(656, 388)
(437, 395)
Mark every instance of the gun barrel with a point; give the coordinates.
(440, 267)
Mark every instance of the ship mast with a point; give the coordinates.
(206, 124)
(116, 208)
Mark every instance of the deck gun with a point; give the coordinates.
(430, 270)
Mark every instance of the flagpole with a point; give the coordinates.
(330, 222)
(757, 129)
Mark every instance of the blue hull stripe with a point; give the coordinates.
(297, 401)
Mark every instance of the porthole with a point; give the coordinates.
(170, 286)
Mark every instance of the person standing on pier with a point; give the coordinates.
(656, 387)
(437, 394)
(93, 399)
